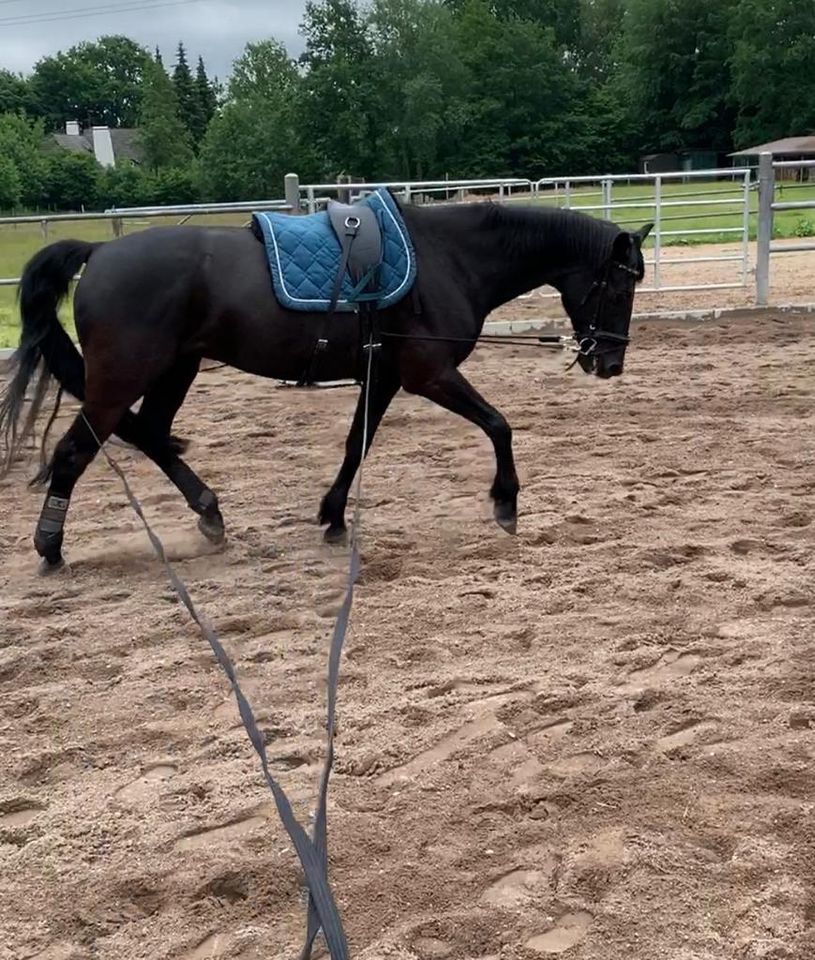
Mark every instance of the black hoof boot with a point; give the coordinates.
(506, 516)
(210, 521)
(49, 547)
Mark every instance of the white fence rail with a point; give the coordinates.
(686, 207)
(119, 217)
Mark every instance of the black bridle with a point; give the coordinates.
(588, 342)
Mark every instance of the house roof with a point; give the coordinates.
(126, 145)
(74, 143)
(125, 142)
(801, 146)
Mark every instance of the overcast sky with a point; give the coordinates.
(215, 29)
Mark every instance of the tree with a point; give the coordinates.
(673, 72)
(600, 24)
(15, 95)
(186, 93)
(124, 185)
(263, 72)
(164, 138)
(206, 96)
(11, 188)
(71, 180)
(523, 107)
(340, 101)
(171, 186)
(255, 140)
(94, 83)
(21, 142)
(773, 69)
(421, 89)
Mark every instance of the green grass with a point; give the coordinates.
(19, 242)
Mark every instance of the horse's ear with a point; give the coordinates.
(640, 235)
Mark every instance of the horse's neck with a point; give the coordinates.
(514, 253)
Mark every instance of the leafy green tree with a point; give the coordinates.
(21, 141)
(94, 83)
(773, 69)
(256, 138)
(421, 89)
(125, 185)
(71, 180)
(11, 189)
(673, 72)
(600, 24)
(263, 71)
(173, 186)
(524, 101)
(340, 102)
(15, 95)
(163, 136)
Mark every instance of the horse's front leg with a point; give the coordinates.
(332, 510)
(453, 392)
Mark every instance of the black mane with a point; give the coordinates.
(568, 235)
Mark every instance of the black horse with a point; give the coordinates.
(150, 306)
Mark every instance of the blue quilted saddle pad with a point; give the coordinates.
(304, 257)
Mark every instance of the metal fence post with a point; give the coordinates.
(766, 193)
(292, 191)
(657, 231)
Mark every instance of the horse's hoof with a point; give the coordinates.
(506, 516)
(336, 535)
(213, 530)
(49, 567)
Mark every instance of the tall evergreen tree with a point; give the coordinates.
(186, 93)
(207, 98)
(164, 137)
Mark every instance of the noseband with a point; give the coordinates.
(588, 342)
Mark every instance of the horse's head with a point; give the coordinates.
(600, 302)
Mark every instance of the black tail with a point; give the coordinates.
(43, 342)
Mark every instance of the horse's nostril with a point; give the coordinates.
(614, 369)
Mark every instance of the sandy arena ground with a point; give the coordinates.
(593, 740)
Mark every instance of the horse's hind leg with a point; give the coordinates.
(73, 453)
(150, 429)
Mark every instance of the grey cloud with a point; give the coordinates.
(218, 30)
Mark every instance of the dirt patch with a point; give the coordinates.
(592, 740)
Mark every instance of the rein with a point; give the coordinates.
(323, 914)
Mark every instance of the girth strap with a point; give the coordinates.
(357, 229)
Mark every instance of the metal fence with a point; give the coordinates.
(767, 206)
(676, 203)
(686, 207)
(671, 200)
(120, 218)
